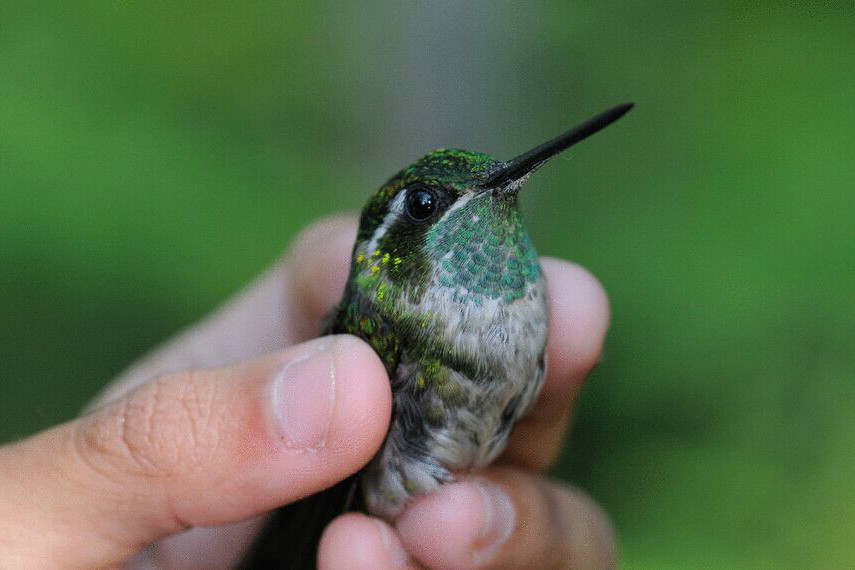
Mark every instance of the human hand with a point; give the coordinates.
(221, 425)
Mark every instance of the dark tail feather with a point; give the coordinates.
(289, 539)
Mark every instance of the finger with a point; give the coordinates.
(507, 519)
(284, 306)
(197, 548)
(319, 264)
(579, 319)
(194, 449)
(268, 315)
(357, 541)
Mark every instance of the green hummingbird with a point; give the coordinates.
(445, 285)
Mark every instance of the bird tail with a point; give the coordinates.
(289, 540)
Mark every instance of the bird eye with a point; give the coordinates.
(421, 204)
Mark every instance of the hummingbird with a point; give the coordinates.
(445, 285)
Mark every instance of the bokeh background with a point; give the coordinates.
(154, 157)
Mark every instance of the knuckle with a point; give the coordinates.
(330, 238)
(164, 427)
(303, 253)
(320, 231)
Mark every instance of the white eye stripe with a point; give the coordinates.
(396, 209)
(460, 202)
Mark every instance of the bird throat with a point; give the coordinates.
(481, 251)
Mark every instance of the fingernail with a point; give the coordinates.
(397, 555)
(303, 396)
(498, 523)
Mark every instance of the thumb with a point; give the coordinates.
(195, 448)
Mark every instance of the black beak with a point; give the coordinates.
(523, 165)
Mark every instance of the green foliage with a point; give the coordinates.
(155, 157)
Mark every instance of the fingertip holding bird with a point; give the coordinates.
(332, 396)
(463, 525)
(579, 319)
(357, 541)
(507, 518)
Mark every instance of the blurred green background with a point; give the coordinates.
(155, 157)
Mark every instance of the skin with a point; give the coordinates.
(180, 440)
